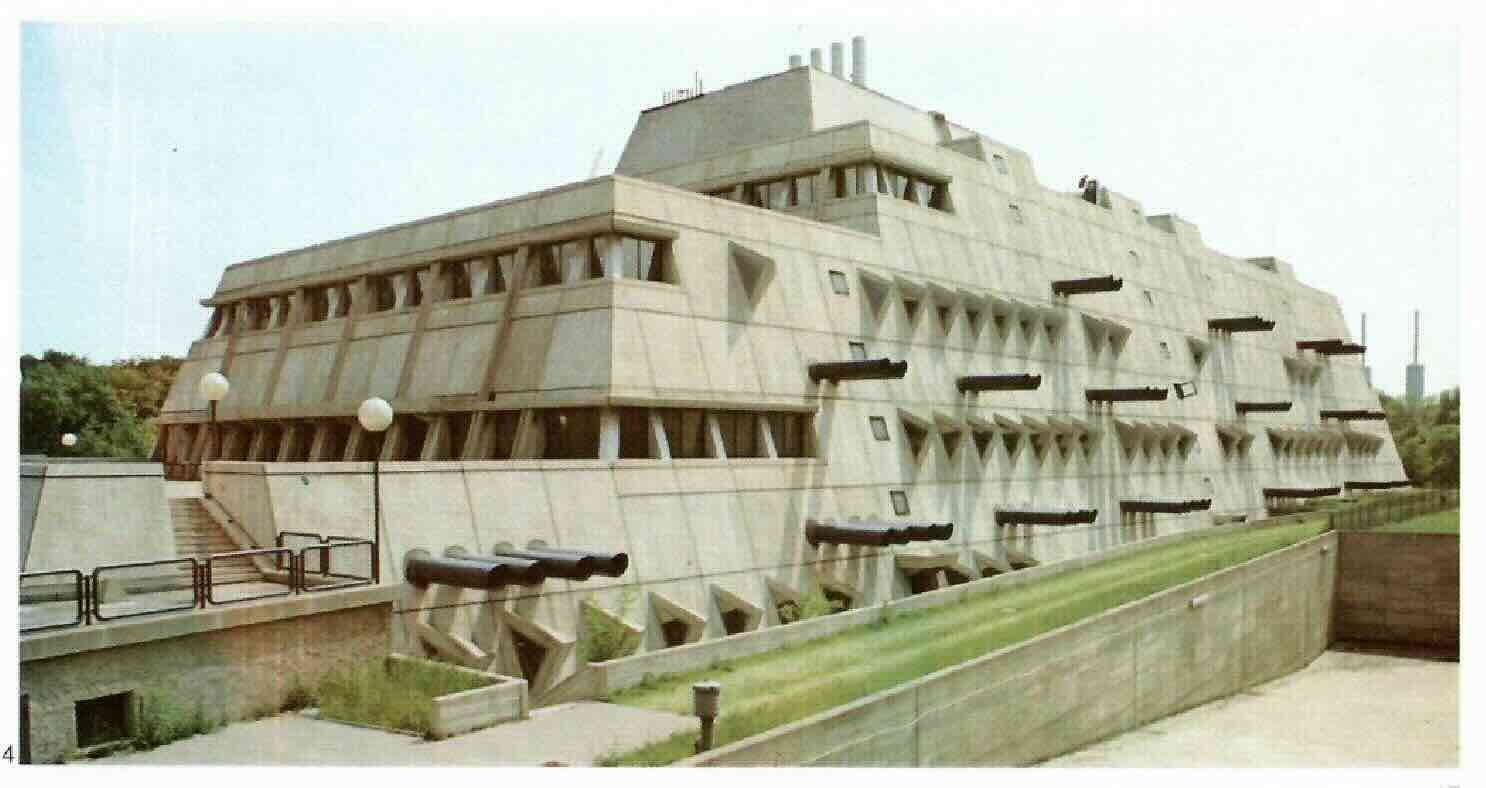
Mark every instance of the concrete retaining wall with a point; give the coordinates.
(605, 677)
(1081, 683)
(87, 514)
(1399, 589)
(233, 662)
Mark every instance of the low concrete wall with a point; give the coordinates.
(1399, 589)
(234, 662)
(86, 514)
(504, 700)
(601, 678)
(1145, 660)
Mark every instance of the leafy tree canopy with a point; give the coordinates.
(108, 407)
(1427, 434)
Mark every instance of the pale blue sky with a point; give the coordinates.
(153, 156)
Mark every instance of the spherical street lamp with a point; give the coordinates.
(374, 414)
(214, 386)
(69, 440)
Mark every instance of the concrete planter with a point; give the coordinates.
(504, 700)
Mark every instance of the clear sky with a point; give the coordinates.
(154, 156)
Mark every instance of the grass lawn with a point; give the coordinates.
(389, 693)
(1434, 523)
(767, 690)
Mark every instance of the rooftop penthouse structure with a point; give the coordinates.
(797, 301)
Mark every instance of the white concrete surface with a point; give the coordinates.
(1343, 710)
(576, 734)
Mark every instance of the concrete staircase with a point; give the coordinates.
(197, 535)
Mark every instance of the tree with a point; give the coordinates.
(1427, 435)
(63, 393)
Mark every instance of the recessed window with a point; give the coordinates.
(839, 285)
(1165, 350)
(1016, 214)
(879, 427)
(900, 502)
(1000, 162)
(1134, 258)
(858, 350)
(1149, 299)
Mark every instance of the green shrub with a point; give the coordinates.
(606, 635)
(811, 605)
(160, 719)
(389, 693)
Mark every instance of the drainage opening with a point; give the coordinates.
(674, 632)
(839, 601)
(103, 720)
(735, 621)
(529, 655)
(954, 577)
(923, 580)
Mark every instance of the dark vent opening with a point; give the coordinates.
(529, 655)
(103, 720)
(674, 632)
(735, 621)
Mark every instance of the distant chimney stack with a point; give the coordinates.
(859, 60)
(816, 60)
(837, 55)
(795, 61)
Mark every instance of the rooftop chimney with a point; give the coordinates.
(837, 55)
(859, 60)
(815, 59)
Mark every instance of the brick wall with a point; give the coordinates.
(232, 672)
(1400, 589)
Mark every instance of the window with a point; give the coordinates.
(791, 434)
(634, 433)
(571, 433)
(900, 502)
(1134, 258)
(739, 434)
(686, 432)
(839, 285)
(1016, 214)
(1150, 300)
(1000, 162)
(1165, 350)
(879, 427)
(383, 297)
(858, 350)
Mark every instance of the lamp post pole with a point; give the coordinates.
(375, 415)
(214, 386)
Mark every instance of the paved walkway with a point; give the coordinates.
(574, 734)
(1344, 709)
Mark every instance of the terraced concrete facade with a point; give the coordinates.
(622, 364)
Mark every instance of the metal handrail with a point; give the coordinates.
(325, 548)
(278, 541)
(80, 589)
(96, 605)
(275, 551)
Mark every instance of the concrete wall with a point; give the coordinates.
(1082, 683)
(31, 481)
(89, 514)
(234, 662)
(1399, 589)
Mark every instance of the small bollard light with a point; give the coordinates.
(705, 701)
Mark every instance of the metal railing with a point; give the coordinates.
(144, 588)
(1393, 508)
(44, 593)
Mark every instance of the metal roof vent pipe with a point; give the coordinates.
(837, 55)
(859, 60)
(816, 59)
(795, 61)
